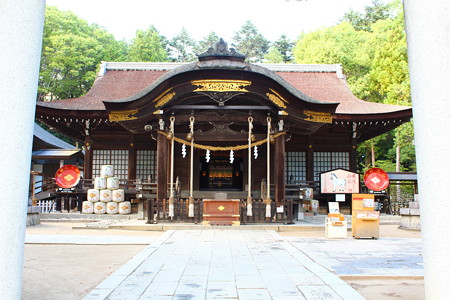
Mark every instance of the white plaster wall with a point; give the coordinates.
(428, 37)
(21, 25)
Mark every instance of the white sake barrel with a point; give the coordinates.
(93, 195)
(125, 208)
(99, 183)
(118, 195)
(88, 207)
(99, 208)
(105, 195)
(112, 183)
(107, 171)
(112, 208)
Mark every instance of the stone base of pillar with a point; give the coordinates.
(33, 219)
(410, 216)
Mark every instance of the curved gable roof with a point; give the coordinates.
(120, 82)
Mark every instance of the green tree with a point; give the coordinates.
(71, 53)
(274, 56)
(374, 59)
(147, 46)
(340, 44)
(389, 70)
(390, 77)
(372, 13)
(208, 42)
(250, 42)
(284, 46)
(182, 45)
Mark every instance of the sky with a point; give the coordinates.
(272, 18)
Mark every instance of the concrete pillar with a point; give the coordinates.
(428, 37)
(21, 26)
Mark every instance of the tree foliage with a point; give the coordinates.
(208, 41)
(372, 13)
(371, 46)
(182, 45)
(274, 56)
(250, 42)
(148, 46)
(340, 44)
(71, 52)
(284, 46)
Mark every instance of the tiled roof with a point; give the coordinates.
(326, 86)
(56, 154)
(48, 139)
(120, 80)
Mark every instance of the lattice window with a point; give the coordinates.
(146, 165)
(325, 161)
(117, 158)
(295, 163)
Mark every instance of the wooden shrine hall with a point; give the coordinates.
(220, 125)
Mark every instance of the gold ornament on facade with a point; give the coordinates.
(276, 99)
(319, 117)
(125, 115)
(164, 98)
(221, 85)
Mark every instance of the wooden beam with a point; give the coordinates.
(132, 158)
(218, 107)
(309, 160)
(353, 157)
(88, 158)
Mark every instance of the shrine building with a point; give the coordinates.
(248, 125)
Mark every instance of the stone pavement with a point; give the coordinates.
(88, 239)
(365, 257)
(223, 264)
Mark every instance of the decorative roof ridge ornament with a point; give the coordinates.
(220, 51)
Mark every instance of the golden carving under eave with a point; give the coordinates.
(275, 100)
(164, 98)
(221, 85)
(319, 117)
(125, 115)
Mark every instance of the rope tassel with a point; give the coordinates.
(218, 148)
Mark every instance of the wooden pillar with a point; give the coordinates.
(88, 157)
(161, 164)
(309, 160)
(132, 159)
(353, 157)
(280, 150)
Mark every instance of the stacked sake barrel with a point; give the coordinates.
(106, 197)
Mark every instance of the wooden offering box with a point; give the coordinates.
(221, 212)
